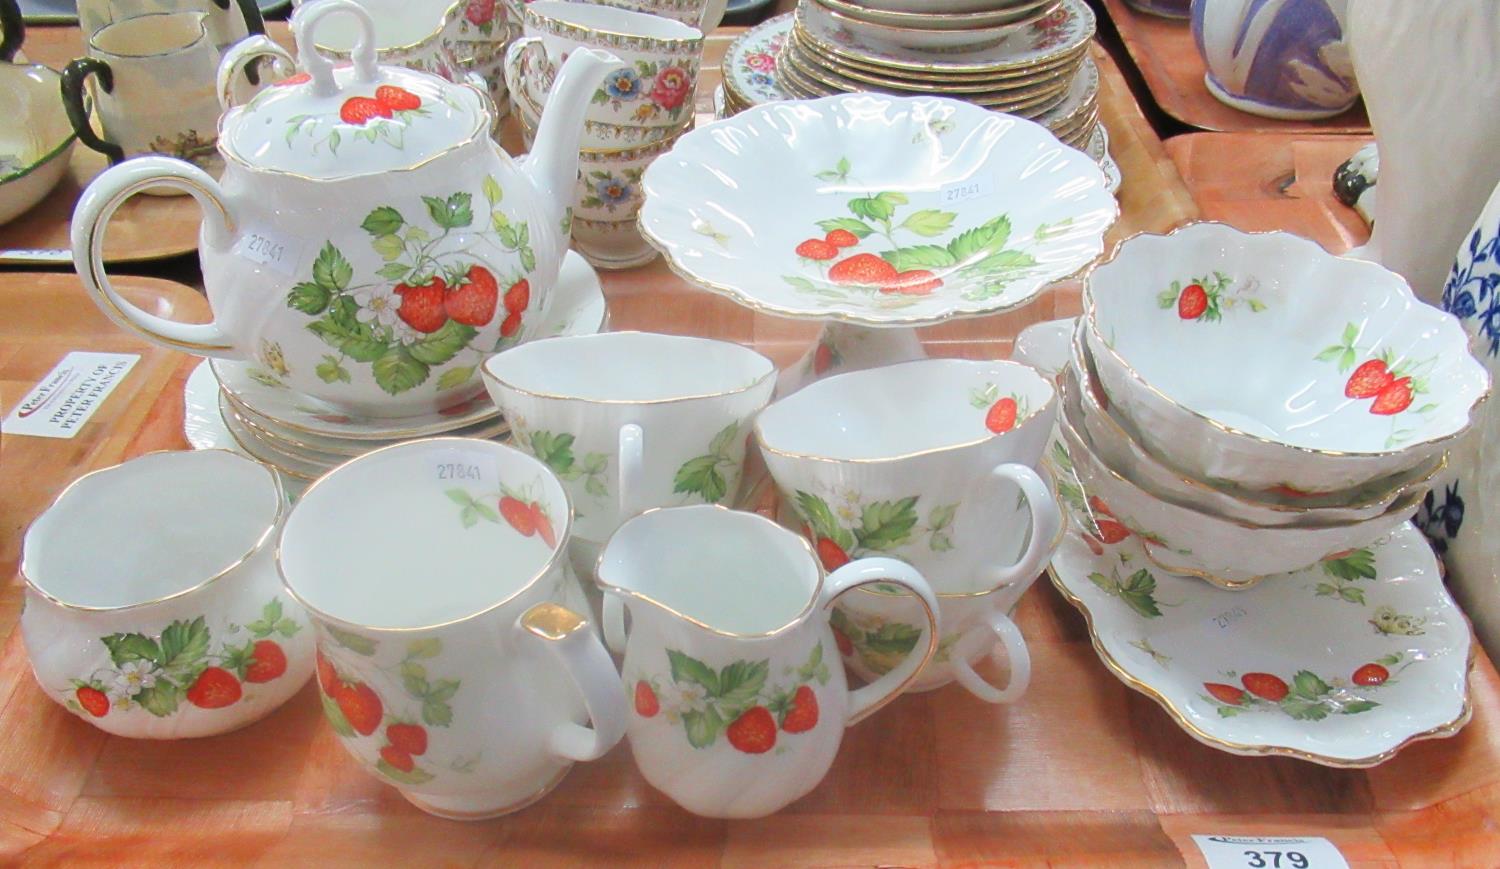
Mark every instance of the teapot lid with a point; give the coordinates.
(331, 121)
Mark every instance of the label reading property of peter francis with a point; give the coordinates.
(60, 403)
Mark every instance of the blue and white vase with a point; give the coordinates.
(1461, 515)
(1164, 8)
(1276, 58)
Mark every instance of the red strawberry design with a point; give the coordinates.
(1001, 417)
(328, 678)
(646, 703)
(1339, 556)
(422, 307)
(1368, 379)
(916, 282)
(518, 297)
(1394, 398)
(846, 646)
(512, 325)
(519, 514)
(862, 269)
(409, 738)
(1289, 492)
(267, 662)
(361, 706)
(841, 238)
(817, 248)
(1265, 686)
(1370, 675)
(1225, 693)
(1097, 504)
(214, 688)
(803, 714)
(93, 701)
(397, 99)
(294, 79)
(822, 359)
(397, 758)
(1096, 545)
(754, 732)
(1193, 302)
(543, 524)
(472, 302)
(1111, 532)
(362, 110)
(831, 554)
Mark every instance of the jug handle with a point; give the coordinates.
(632, 459)
(98, 204)
(1046, 524)
(866, 571)
(996, 625)
(243, 54)
(566, 636)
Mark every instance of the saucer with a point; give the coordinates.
(750, 65)
(577, 307)
(1341, 664)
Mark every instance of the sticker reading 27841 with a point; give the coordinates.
(969, 188)
(271, 249)
(473, 467)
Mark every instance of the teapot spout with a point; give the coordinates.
(553, 163)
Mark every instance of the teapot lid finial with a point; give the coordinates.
(305, 22)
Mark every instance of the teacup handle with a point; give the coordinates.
(997, 626)
(76, 103)
(866, 571)
(305, 24)
(517, 62)
(1046, 522)
(632, 464)
(97, 205)
(243, 55)
(566, 637)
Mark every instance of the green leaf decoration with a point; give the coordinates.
(335, 717)
(440, 346)
(330, 371)
(893, 638)
(308, 298)
(818, 515)
(740, 684)
(686, 668)
(1357, 707)
(941, 516)
(981, 241)
(700, 476)
(859, 228)
(330, 270)
(799, 283)
(333, 141)
(928, 223)
(344, 313)
(383, 221)
(287, 627)
(702, 727)
(1005, 260)
(921, 256)
(455, 377)
(415, 777)
(443, 689)
(125, 648)
(1352, 594)
(885, 525)
(1307, 684)
(1351, 334)
(872, 208)
(721, 442)
(492, 192)
(554, 450)
(356, 643)
(388, 246)
(427, 647)
(450, 213)
(528, 258)
(161, 699)
(393, 271)
(397, 371)
(1304, 709)
(1139, 592)
(183, 646)
(437, 713)
(414, 680)
(1359, 564)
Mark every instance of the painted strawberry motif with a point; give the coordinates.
(408, 738)
(295, 79)
(802, 714)
(93, 701)
(823, 358)
(1095, 545)
(361, 706)
(1225, 693)
(543, 524)
(646, 702)
(1192, 303)
(266, 662)
(1394, 398)
(1001, 416)
(1369, 379)
(511, 326)
(397, 758)
(423, 307)
(518, 296)
(841, 238)
(754, 732)
(214, 688)
(397, 99)
(817, 249)
(362, 110)
(1111, 531)
(328, 678)
(519, 514)
(1370, 675)
(1265, 686)
(915, 282)
(862, 269)
(472, 302)
(831, 554)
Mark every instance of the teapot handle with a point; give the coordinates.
(1046, 524)
(305, 23)
(243, 55)
(98, 204)
(566, 636)
(996, 627)
(866, 571)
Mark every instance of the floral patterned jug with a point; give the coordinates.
(368, 242)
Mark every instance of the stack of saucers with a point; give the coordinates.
(1249, 404)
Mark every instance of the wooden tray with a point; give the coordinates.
(1163, 50)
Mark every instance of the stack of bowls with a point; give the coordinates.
(635, 115)
(1249, 404)
(1023, 57)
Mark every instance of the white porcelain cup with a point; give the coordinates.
(450, 662)
(702, 14)
(416, 34)
(153, 610)
(633, 420)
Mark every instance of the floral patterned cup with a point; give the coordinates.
(702, 14)
(465, 689)
(153, 610)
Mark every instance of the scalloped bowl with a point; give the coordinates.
(887, 211)
(35, 132)
(1267, 362)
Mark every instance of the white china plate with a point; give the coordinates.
(925, 35)
(749, 64)
(991, 206)
(577, 306)
(1169, 638)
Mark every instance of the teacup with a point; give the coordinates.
(702, 14)
(154, 90)
(416, 34)
(597, 137)
(633, 420)
(153, 610)
(654, 90)
(448, 663)
(922, 461)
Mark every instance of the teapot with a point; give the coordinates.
(368, 242)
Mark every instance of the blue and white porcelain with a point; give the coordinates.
(1281, 59)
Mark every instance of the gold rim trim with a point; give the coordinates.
(935, 85)
(259, 544)
(1058, 87)
(683, 45)
(938, 75)
(852, 17)
(558, 552)
(676, 399)
(1021, 13)
(669, 135)
(1089, 318)
(486, 814)
(353, 448)
(271, 463)
(1186, 723)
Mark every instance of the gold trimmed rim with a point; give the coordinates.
(259, 544)
(1089, 318)
(933, 74)
(957, 21)
(928, 86)
(668, 136)
(358, 448)
(382, 52)
(490, 376)
(277, 443)
(981, 30)
(589, 35)
(563, 536)
(274, 465)
(1056, 86)
(1186, 723)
